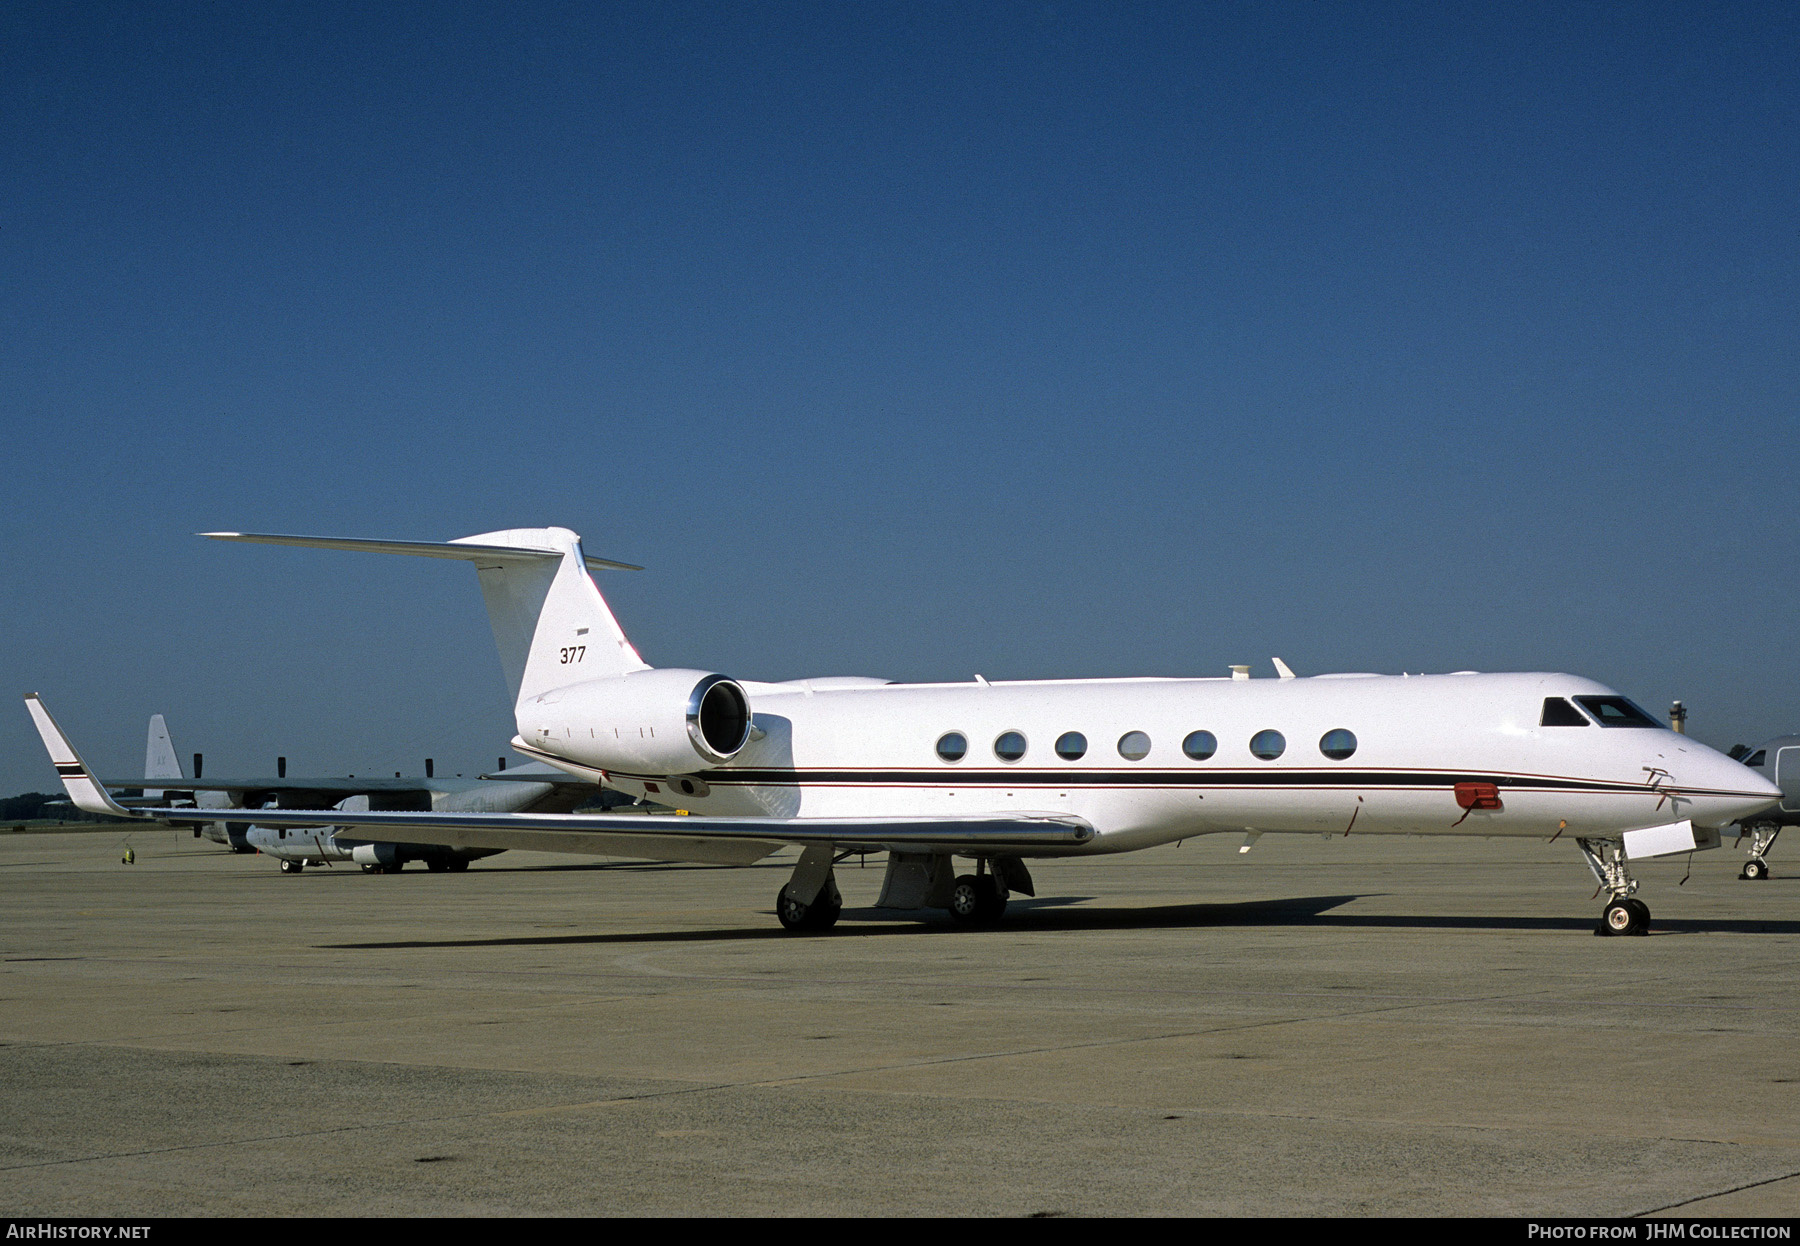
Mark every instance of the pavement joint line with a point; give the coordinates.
(1701, 1198)
(1044, 987)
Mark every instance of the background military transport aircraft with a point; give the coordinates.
(537, 788)
(1000, 772)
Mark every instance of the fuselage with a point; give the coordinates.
(1163, 759)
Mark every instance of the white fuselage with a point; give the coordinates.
(872, 750)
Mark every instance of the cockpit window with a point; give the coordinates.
(1757, 758)
(1616, 712)
(1559, 713)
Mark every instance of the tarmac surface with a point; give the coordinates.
(1352, 1027)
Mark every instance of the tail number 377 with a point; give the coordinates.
(573, 654)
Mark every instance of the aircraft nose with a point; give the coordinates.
(1734, 790)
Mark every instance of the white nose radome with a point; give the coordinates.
(1725, 790)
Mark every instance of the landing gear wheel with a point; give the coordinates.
(291, 867)
(976, 901)
(436, 865)
(1754, 868)
(821, 914)
(1625, 916)
(371, 869)
(457, 865)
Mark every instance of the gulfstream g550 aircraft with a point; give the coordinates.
(1000, 772)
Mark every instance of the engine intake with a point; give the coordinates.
(718, 717)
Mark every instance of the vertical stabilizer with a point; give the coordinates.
(550, 622)
(160, 761)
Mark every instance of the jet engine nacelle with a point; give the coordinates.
(648, 722)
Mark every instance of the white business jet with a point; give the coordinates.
(998, 772)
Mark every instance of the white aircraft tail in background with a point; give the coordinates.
(160, 761)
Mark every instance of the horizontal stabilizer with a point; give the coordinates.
(462, 550)
(541, 600)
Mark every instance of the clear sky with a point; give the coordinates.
(910, 340)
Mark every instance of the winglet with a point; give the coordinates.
(1281, 669)
(83, 788)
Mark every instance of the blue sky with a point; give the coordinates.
(908, 340)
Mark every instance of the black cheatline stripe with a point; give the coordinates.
(1155, 778)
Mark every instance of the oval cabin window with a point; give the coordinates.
(1010, 746)
(1071, 745)
(1337, 744)
(1268, 745)
(1134, 746)
(951, 746)
(1200, 745)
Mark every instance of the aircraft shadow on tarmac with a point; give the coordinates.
(1065, 913)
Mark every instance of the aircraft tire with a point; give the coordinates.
(993, 900)
(1755, 868)
(796, 916)
(290, 867)
(976, 901)
(1625, 916)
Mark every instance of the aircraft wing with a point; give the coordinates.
(340, 786)
(650, 836)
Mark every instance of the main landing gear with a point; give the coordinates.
(977, 900)
(915, 880)
(810, 900)
(821, 914)
(292, 867)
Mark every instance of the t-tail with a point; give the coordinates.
(583, 700)
(550, 622)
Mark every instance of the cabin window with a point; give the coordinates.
(1559, 713)
(951, 746)
(1134, 746)
(1616, 712)
(1071, 745)
(1757, 758)
(1268, 745)
(1010, 746)
(1337, 744)
(1200, 745)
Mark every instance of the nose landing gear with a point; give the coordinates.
(1762, 838)
(1624, 914)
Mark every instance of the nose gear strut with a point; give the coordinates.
(1624, 913)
